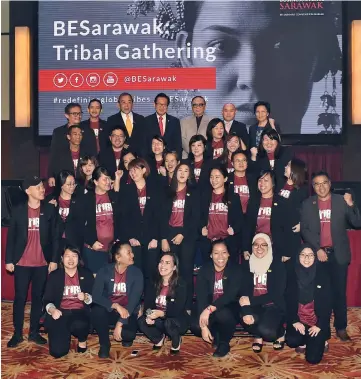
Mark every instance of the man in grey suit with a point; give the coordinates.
(325, 219)
(196, 124)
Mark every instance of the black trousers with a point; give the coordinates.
(23, 276)
(314, 345)
(222, 323)
(232, 243)
(72, 322)
(102, 319)
(268, 323)
(169, 326)
(146, 259)
(186, 253)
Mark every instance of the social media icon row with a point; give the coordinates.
(93, 79)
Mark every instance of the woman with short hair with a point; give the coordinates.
(216, 136)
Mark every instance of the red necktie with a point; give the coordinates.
(161, 127)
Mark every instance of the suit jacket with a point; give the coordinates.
(341, 217)
(251, 182)
(107, 159)
(203, 181)
(103, 137)
(60, 143)
(189, 129)
(253, 133)
(137, 142)
(172, 135)
(205, 286)
(18, 233)
(240, 129)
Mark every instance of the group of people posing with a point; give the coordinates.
(156, 197)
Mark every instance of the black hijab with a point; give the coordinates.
(305, 278)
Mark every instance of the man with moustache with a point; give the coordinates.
(325, 219)
(232, 126)
(59, 144)
(131, 122)
(195, 124)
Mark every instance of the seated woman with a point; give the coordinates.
(165, 305)
(116, 296)
(66, 300)
(262, 295)
(309, 310)
(217, 310)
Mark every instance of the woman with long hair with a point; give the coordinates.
(221, 215)
(309, 309)
(116, 295)
(140, 217)
(262, 295)
(216, 136)
(87, 165)
(67, 298)
(232, 144)
(156, 157)
(171, 161)
(165, 305)
(101, 220)
(217, 310)
(179, 222)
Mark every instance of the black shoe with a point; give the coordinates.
(215, 341)
(222, 350)
(37, 338)
(127, 343)
(15, 340)
(342, 335)
(81, 349)
(104, 352)
(176, 344)
(158, 347)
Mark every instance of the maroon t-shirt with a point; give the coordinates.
(119, 294)
(218, 285)
(142, 198)
(75, 157)
(217, 218)
(271, 158)
(217, 148)
(242, 189)
(177, 216)
(33, 255)
(161, 299)
(259, 284)
(325, 220)
(70, 294)
(64, 206)
(117, 155)
(286, 190)
(104, 220)
(264, 216)
(95, 127)
(306, 313)
(197, 169)
(230, 167)
(158, 165)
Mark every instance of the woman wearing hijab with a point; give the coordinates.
(262, 295)
(309, 310)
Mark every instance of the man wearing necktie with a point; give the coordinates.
(162, 124)
(232, 126)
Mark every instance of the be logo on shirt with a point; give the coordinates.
(197, 172)
(285, 193)
(142, 200)
(161, 300)
(325, 215)
(221, 207)
(260, 279)
(241, 189)
(179, 204)
(218, 285)
(104, 207)
(33, 223)
(266, 211)
(71, 290)
(120, 288)
(64, 212)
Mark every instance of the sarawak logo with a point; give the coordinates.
(301, 8)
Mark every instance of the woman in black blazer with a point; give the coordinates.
(66, 300)
(262, 295)
(165, 305)
(140, 217)
(156, 157)
(101, 220)
(216, 136)
(180, 221)
(217, 287)
(266, 213)
(309, 310)
(116, 295)
(221, 215)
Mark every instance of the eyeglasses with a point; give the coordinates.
(200, 105)
(307, 256)
(325, 183)
(76, 113)
(262, 246)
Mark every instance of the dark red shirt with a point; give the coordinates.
(325, 220)
(70, 294)
(95, 127)
(142, 198)
(259, 284)
(198, 169)
(33, 255)
(286, 190)
(64, 206)
(241, 187)
(230, 167)
(177, 216)
(161, 299)
(271, 158)
(217, 148)
(218, 285)
(158, 165)
(117, 155)
(264, 216)
(306, 314)
(75, 157)
(104, 220)
(119, 294)
(217, 218)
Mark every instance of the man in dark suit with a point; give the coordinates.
(95, 123)
(161, 123)
(59, 142)
(32, 251)
(131, 122)
(232, 126)
(325, 219)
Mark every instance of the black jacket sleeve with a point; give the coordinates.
(176, 304)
